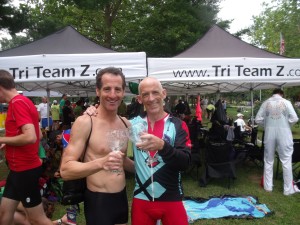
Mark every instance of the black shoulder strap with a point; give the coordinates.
(123, 122)
(87, 141)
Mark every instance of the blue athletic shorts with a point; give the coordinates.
(44, 122)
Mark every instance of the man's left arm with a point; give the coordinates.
(259, 118)
(179, 155)
(28, 136)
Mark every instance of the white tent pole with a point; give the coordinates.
(252, 107)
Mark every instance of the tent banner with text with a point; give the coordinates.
(72, 67)
(224, 69)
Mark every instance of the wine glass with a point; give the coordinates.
(136, 130)
(116, 139)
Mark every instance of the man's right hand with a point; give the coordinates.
(113, 161)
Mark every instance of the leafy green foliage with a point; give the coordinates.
(163, 28)
(280, 17)
(160, 28)
(11, 18)
(15, 41)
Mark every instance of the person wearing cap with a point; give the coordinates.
(240, 122)
(55, 114)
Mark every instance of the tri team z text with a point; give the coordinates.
(42, 72)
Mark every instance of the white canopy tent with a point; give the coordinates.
(67, 62)
(211, 75)
(194, 76)
(70, 73)
(73, 74)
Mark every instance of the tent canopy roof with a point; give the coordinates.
(64, 41)
(219, 43)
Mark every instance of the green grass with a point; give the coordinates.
(248, 183)
(285, 208)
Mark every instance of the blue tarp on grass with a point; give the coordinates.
(224, 207)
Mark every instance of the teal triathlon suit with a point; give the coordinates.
(158, 181)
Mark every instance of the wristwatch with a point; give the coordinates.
(59, 222)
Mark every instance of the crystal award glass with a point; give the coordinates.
(135, 131)
(116, 140)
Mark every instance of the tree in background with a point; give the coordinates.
(164, 28)
(283, 17)
(11, 18)
(280, 17)
(160, 28)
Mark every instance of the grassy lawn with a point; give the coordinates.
(285, 208)
(247, 183)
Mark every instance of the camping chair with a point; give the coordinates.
(195, 162)
(255, 154)
(219, 162)
(295, 160)
(239, 135)
(248, 150)
(195, 132)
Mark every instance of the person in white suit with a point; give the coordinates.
(277, 116)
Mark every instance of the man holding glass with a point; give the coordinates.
(105, 198)
(160, 157)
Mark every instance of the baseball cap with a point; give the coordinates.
(239, 115)
(54, 102)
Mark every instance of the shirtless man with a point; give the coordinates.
(105, 199)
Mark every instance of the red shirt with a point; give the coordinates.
(22, 111)
(158, 130)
